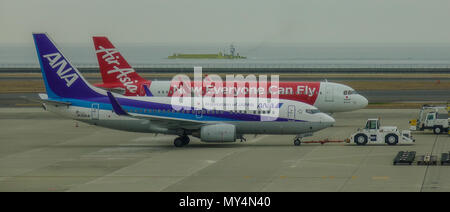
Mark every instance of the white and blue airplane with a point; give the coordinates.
(70, 95)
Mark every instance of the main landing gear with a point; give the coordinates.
(181, 141)
(297, 141)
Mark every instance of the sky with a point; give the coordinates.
(219, 21)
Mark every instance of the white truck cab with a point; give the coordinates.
(435, 118)
(373, 132)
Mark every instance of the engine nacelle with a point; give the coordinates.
(218, 133)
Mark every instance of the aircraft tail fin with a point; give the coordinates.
(61, 78)
(113, 66)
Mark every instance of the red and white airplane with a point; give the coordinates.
(120, 77)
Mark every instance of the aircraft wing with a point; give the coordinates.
(172, 123)
(166, 122)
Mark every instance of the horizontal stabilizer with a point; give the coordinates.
(44, 99)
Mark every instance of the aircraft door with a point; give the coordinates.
(329, 94)
(291, 112)
(198, 114)
(95, 108)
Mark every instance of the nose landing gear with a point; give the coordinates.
(298, 138)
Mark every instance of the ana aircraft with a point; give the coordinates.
(119, 76)
(70, 95)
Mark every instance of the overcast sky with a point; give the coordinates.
(224, 21)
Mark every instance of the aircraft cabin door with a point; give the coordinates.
(329, 94)
(95, 108)
(291, 112)
(198, 114)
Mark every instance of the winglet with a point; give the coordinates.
(147, 91)
(116, 106)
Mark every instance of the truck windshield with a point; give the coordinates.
(371, 124)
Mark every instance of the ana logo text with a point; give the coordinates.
(56, 60)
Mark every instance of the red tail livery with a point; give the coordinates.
(115, 70)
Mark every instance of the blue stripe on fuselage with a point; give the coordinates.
(151, 108)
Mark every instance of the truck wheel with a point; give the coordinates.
(360, 139)
(391, 139)
(437, 130)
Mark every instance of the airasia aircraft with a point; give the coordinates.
(120, 77)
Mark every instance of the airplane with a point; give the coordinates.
(70, 95)
(118, 76)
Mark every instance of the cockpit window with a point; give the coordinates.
(312, 111)
(350, 92)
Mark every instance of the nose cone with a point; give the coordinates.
(327, 120)
(360, 102)
(364, 102)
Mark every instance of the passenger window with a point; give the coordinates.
(430, 117)
(345, 92)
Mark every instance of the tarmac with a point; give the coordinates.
(40, 151)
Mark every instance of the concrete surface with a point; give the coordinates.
(40, 151)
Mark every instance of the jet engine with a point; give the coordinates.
(218, 133)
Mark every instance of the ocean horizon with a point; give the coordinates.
(257, 54)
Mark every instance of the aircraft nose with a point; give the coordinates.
(361, 102)
(328, 120)
(364, 101)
